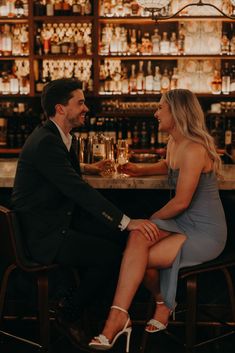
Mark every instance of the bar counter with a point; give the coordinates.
(8, 169)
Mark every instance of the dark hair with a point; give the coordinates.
(58, 92)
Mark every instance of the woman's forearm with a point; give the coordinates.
(171, 209)
(159, 168)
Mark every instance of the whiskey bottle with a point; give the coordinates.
(165, 81)
(216, 83)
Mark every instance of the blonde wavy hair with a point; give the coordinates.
(189, 118)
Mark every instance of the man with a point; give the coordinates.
(65, 220)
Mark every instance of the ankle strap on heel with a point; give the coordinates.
(118, 308)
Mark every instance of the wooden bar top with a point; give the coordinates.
(8, 169)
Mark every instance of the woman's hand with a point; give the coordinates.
(131, 169)
(149, 230)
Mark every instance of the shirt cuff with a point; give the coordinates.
(124, 223)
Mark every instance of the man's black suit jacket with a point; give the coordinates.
(47, 188)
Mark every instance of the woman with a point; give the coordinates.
(192, 227)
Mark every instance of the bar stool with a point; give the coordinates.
(14, 255)
(191, 320)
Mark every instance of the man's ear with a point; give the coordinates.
(59, 108)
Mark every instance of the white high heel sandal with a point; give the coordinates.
(103, 343)
(158, 326)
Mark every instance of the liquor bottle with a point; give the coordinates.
(181, 40)
(6, 41)
(226, 79)
(49, 8)
(232, 79)
(19, 8)
(135, 137)
(87, 7)
(16, 43)
(144, 136)
(174, 79)
(140, 78)
(165, 81)
(11, 8)
(156, 38)
(66, 7)
(58, 8)
(217, 133)
(124, 81)
(114, 42)
(149, 78)
(152, 137)
(14, 82)
(228, 137)
(216, 83)
(173, 44)
(164, 44)
(146, 45)
(39, 8)
(133, 80)
(5, 83)
(133, 43)
(24, 39)
(38, 43)
(224, 45)
(232, 41)
(157, 81)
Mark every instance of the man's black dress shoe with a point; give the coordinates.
(73, 332)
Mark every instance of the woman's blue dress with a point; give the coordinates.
(204, 224)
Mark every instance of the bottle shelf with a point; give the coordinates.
(59, 19)
(148, 20)
(10, 150)
(13, 20)
(62, 57)
(158, 95)
(167, 57)
(2, 58)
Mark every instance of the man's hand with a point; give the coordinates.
(102, 167)
(147, 228)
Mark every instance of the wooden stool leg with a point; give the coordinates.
(4, 289)
(43, 311)
(231, 291)
(190, 324)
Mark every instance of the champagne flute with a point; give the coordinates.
(122, 155)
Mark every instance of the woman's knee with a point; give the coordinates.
(136, 238)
